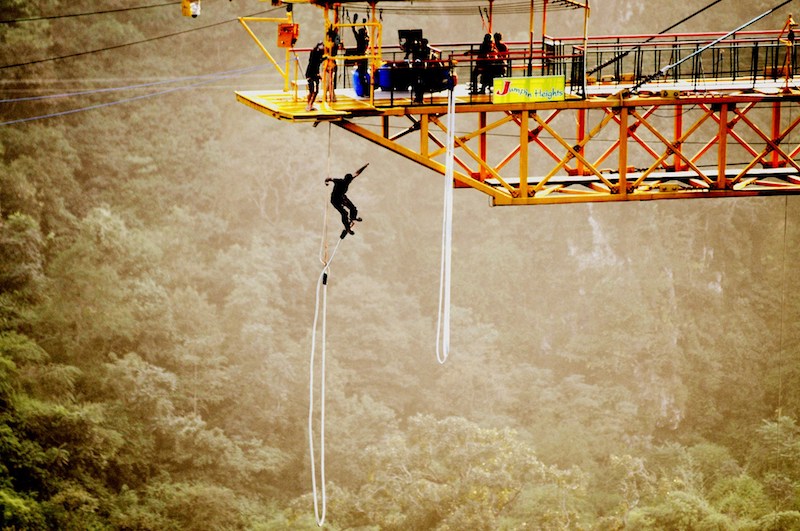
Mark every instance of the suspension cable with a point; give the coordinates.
(699, 51)
(443, 322)
(639, 46)
(135, 98)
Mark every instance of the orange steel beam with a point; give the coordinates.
(776, 129)
(534, 135)
(676, 164)
(632, 134)
(722, 143)
(731, 132)
(772, 146)
(625, 135)
(672, 146)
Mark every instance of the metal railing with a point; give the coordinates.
(746, 58)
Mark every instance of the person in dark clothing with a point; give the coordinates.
(340, 201)
(362, 39)
(315, 59)
(482, 71)
(501, 52)
(362, 45)
(420, 55)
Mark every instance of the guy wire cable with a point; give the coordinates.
(133, 98)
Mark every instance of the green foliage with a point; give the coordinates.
(95, 277)
(200, 506)
(21, 349)
(38, 177)
(449, 474)
(72, 507)
(714, 463)
(778, 521)
(777, 448)
(21, 252)
(678, 510)
(742, 498)
(17, 512)
(144, 389)
(613, 366)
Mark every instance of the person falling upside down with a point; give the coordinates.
(340, 201)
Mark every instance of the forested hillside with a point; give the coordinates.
(627, 366)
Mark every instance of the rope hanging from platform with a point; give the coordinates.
(783, 304)
(323, 245)
(320, 309)
(443, 322)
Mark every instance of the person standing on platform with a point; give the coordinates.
(482, 71)
(315, 59)
(362, 45)
(332, 43)
(501, 52)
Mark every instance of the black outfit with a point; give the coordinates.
(420, 54)
(362, 44)
(501, 67)
(341, 203)
(482, 72)
(312, 70)
(362, 40)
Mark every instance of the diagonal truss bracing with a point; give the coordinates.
(615, 149)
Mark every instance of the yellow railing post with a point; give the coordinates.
(623, 151)
(524, 144)
(284, 72)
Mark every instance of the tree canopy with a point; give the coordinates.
(612, 366)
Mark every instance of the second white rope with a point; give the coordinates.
(443, 323)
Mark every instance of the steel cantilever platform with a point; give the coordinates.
(722, 125)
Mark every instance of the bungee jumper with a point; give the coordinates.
(342, 203)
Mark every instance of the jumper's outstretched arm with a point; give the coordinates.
(358, 171)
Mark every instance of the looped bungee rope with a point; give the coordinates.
(320, 309)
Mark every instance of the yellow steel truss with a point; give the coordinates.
(554, 141)
(676, 143)
(290, 76)
(284, 71)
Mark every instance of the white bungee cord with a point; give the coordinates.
(443, 322)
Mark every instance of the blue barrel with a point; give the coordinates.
(384, 78)
(360, 85)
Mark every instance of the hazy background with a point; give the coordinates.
(612, 366)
